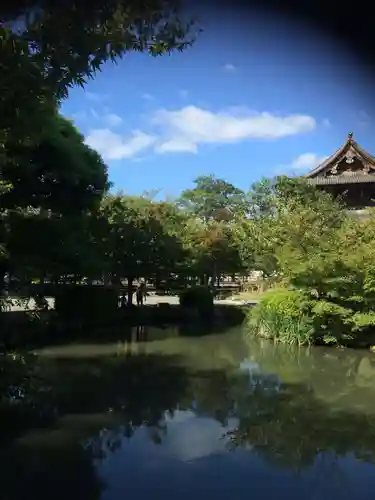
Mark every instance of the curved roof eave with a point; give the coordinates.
(349, 143)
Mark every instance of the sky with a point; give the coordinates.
(252, 98)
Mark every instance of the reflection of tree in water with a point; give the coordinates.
(340, 377)
(289, 427)
(48, 473)
(284, 423)
(140, 387)
(127, 391)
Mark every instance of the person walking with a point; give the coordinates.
(141, 293)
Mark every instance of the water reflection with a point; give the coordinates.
(190, 416)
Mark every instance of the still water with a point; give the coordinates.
(190, 417)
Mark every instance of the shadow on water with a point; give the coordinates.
(185, 416)
(22, 330)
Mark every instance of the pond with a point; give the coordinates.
(188, 416)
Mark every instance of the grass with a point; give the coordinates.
(281, 316)
(248, 296)
(273, 326)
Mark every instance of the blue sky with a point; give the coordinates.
(249, 99)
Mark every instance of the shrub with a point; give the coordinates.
(283, 315)
(198, 297)
(86, 302)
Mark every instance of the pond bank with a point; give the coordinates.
(21, 328)
(298, 317)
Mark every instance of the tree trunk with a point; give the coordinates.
(2, 287)
(213, 276)
(2, 279)
(116, 283)
(130, 290)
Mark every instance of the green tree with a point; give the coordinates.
(138, 239)
(49, 47)
(59, 172)
(213, 199)
(285, 212)
(55, 183)
(317, 247)
(261, 198)
(213, 250)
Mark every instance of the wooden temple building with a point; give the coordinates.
(350, 173)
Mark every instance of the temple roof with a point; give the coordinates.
(349, 164)
(348, 179)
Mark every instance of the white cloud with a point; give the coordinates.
(94, 114)
(147, 97)
(116, 147)
(185, 129)
(307, 160)
(229, 67)
(113, 120)
(92, 96)
(110, 119)
(177, 145)
(363, 115)
(326, 123)
(364, 119)
(190, 437)
(80, 115)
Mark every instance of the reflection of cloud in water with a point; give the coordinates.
(190, 437)
(250, 366)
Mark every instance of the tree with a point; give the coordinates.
(47, 245)
(261, 198)
(138, 239)
(59, 172)
(54, 183)
(4, 188)
(325, 255)
(48, 47)
(213, 199)
(267, 196)
(284, 212)
(213, 250)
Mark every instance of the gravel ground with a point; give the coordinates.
(151, 300)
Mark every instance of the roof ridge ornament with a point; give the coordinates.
(350, 136)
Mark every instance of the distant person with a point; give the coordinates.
(141, 293)
(41, 302)
(123, 301)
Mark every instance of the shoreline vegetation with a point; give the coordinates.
(294, 317)
(322, 257)
(310, 260)
(61, 224)
(315, 260)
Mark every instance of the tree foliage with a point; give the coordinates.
(52, 186)
(213, 199)
(54, 196)
(213, 249)
(319, 248)
(48, 47)
(59, 172)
